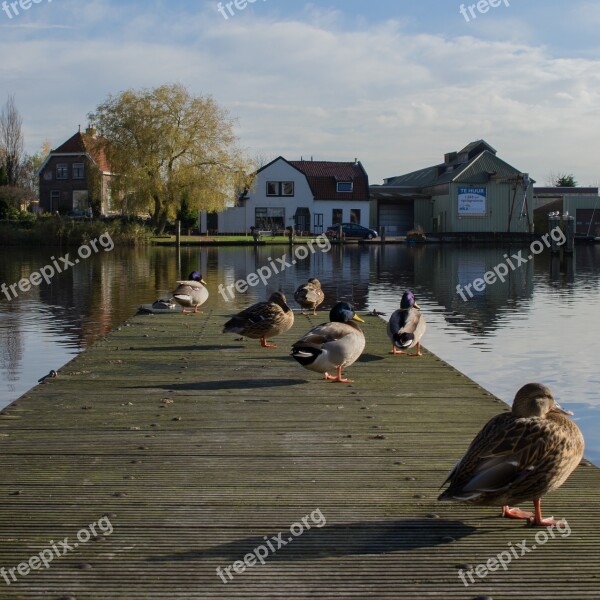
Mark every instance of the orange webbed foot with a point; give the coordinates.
(515, 513)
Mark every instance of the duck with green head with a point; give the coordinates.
(332, 346)
(406, 326)
(191, 293)
(519, 455)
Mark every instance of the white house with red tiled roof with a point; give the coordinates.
(305, 194)
(66, 184)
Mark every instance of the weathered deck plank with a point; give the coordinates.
(197, 446)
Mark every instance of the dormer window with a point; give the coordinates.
(280, 188)
(344, 186)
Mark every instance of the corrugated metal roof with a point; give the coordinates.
(486, 163)
(482, 159)
(473, 145)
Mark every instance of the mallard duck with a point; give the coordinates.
(263, 320)
(406, 326)
(191, 293)
(309, 295)
(519, 456)
(332, 345)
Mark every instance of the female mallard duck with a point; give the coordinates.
(519, 456)
(309, 295)
(191, 293)
(332, 345)
(406, 326)
(263, 320)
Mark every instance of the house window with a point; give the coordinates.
(355, 216)
(78, 171)
(280, 188)
(62, 171)
(80, 200)
(269, 218)
(344, 186)
(337, 216)
(54, 200)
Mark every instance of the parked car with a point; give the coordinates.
(353, 230)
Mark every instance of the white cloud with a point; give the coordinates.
(394, 97)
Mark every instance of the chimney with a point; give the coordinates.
(356, 162)
(91, 131)
(449, 157)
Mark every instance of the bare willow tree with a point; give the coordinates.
(11, 141)
(164, 144)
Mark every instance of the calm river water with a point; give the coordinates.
(541, 325)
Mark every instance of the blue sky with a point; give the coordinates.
(394, 83)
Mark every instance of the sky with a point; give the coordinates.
(394, 83)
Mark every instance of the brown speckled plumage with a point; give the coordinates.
(263, 320)
(309, 295)
(518, 456)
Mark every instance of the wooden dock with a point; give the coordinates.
(195, 446)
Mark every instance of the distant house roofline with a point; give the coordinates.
(549, 190)
(79, 145)
(322, 177)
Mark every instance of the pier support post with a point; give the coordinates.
(570, 234)
(553, 223)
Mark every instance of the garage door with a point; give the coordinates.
(397, 218)
(587, 221)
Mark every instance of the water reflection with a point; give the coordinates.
(537, 325)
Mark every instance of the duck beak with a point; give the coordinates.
(560, 409)
(357, 318)
(203, 282)
(416, 306)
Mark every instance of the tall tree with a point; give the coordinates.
(164, 144)
(11, 141)
(31, 164)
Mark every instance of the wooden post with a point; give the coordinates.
(178, 234)
(570, 234)
(382, 234)
(553, 223)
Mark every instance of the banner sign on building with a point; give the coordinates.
(471, 201)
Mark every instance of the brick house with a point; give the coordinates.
(75, 177)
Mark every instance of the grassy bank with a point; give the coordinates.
(201, 240)
(53, 231)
